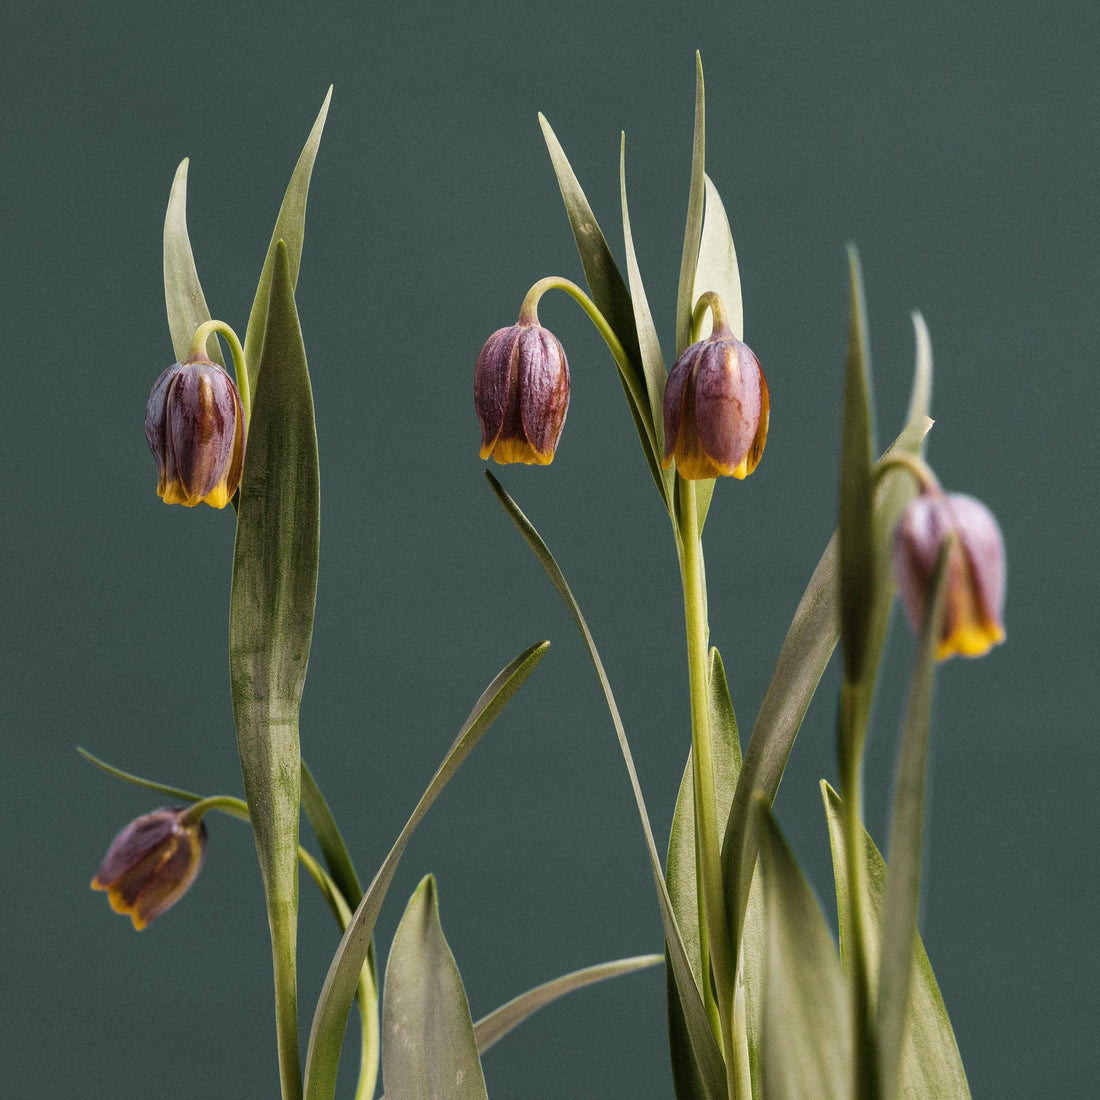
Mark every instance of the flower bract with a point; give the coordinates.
(521, 391)
(151, 863)
(195, 428)
(976, 569)
(716, 409)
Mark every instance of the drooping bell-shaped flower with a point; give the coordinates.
(151, 863)
(716, 409)
(195, 428)
(976, 569)
(521, 391)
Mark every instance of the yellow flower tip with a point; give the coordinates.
(521, 393)
(970, 640)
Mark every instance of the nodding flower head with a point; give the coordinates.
(151, 863)
(976, 569)
(716, 409)
(521, 391)
(195, 428)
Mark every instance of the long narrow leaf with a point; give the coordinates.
(899, 922)
(334, 1003)
(337, 858)
(271, 625)
(492, 1028)
(289, 228)
(930, 1062)
(138, 781)
(707, 1055)
(430, 1049)
(857, 574)
(183, 296)
(807, 1022)
(693, 230)
(653, 363)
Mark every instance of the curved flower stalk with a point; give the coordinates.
(747, 1015)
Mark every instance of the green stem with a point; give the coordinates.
(717, 957)
(923, 475)
(854, 714)
(718, 321)
(197, 352)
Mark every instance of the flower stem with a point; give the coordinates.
(197, 352)
(718, 321)
(854, 713)
(717, 961)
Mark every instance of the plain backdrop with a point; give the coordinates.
(956, 144)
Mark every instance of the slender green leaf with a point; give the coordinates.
(707, 1055)
(689, 259)
(334, 1003)
(138, 781)
(430, 1049)
(490, 1029)
(899, 922)
(289, 228)
(183, 295)
(271, 625)
(920, 400)
(807, 1045)
(930, 1062)
(337, 858)
(653, 362)
(857, 577)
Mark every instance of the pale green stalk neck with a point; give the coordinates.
(196, 353)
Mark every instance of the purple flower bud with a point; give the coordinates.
(521, 391)
(716, 409)
(195, 429)
(976, 569)
(151, 863)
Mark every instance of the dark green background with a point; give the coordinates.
(955, 143)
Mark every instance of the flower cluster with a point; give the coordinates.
(715, 404)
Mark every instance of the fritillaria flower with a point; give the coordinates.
(976, 569)
(151, 863)
(716, 409)
(195, 428)
(521, 391)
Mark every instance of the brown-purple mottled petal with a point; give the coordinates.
(492, 384)
(544, 388)
(134, 843)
